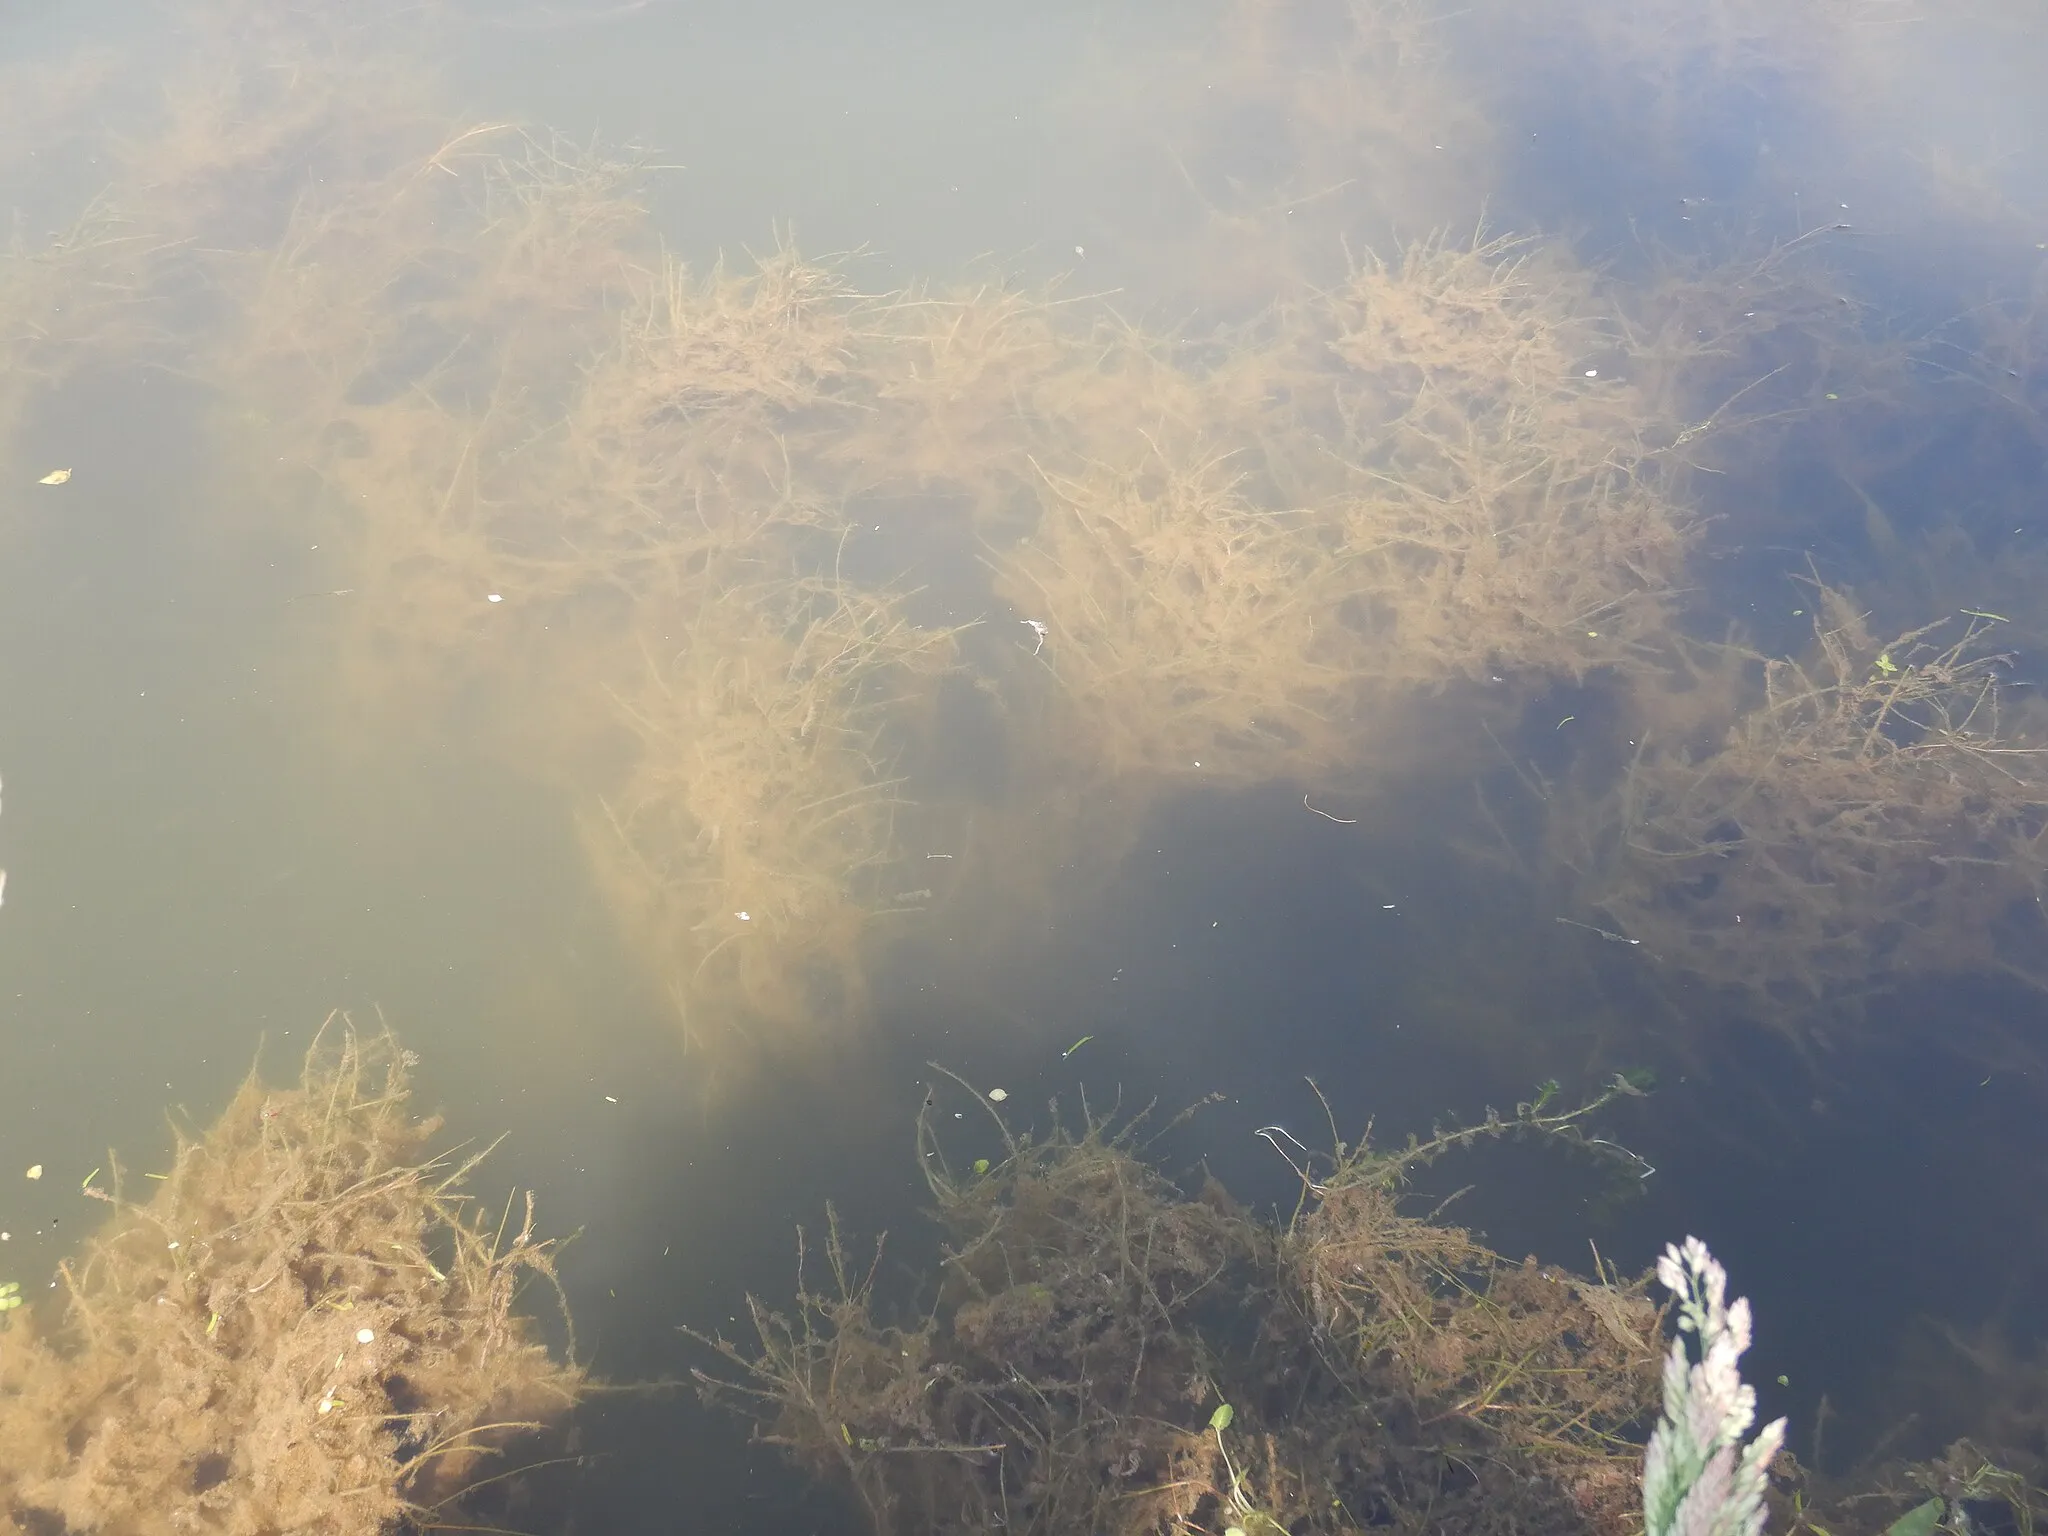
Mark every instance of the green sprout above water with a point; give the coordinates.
(10, 1297)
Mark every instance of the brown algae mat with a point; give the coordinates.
(305, 1325)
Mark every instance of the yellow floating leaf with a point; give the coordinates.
(55, 477)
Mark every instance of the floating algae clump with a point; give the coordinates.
(303, 1329)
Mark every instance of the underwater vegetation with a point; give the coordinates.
(1098, 1348)
(704, 548)
(753, 839)
(306, 1324)
(1390, 436)
(1874, 814)
(1108, 1353)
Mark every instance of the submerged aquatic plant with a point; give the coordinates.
(1087, 1363)
(1499, 507)
(308, 1325)
(1185, 623)
(753, 836)
(1872, 811)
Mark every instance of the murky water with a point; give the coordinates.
(696, 563)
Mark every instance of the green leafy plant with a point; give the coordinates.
(1246, 1518)
(1920, 1520)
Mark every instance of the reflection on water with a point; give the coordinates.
(1438, 556)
